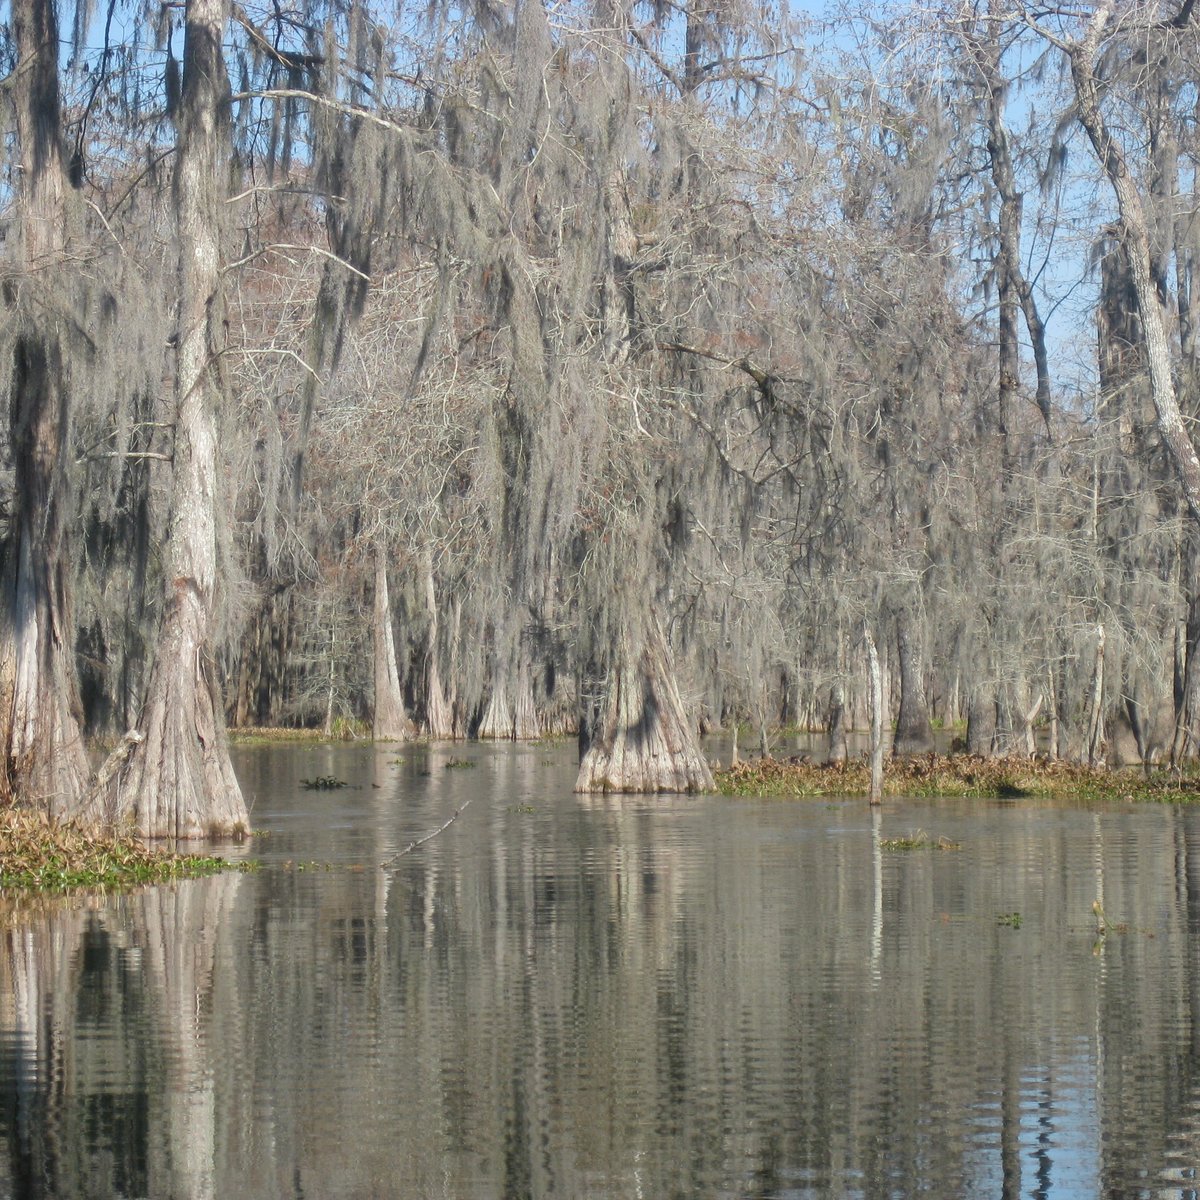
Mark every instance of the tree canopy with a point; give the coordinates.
(625, 370)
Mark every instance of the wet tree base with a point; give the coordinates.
(958, 775)
(39, 854)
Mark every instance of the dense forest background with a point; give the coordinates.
(627, 370)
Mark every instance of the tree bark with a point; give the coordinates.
(390, 721)
(1014, 289)
(1095, 741)
(981, 721)
(511, 713)
(1187, 671)
(497, 721)
(838, 750)
(914, 733)
(43, 762)
(875, 710)
(637, 737)
(439, 717)
(178, 781)
(1134, 234)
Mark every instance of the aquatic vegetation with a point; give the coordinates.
(919, 840)
(40, 854)
(1010, 920)
(955, 775)
(453, 763)
(267, 735)
(323, 783)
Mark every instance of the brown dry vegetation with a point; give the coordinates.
(41, 854)
(960, 775)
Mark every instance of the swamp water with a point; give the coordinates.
(623, 997)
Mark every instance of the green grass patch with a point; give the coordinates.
(957, 775)
(42, 855)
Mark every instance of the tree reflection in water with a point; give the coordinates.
(613, 997)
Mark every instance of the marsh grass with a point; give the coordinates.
(957, 775)
(42, 855)
(267, 735)
(919, 840)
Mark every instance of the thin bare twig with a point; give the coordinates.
(429, 836)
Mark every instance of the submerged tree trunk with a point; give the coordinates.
(262, 669)
(511, 713)
(875, 711)
(838, 750)
(981, 721)
(43, 761)
(637, 737)
(178, 781)
(1187, 655)
(1095, 741)
(914, 733)
(439, 717)
(390, 721)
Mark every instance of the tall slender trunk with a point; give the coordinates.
(914, 733)
(875, 711)
(43, 761)
(439, 719)
(838, 750)
(1095, 740)
(981, 720)
(179, 782)
(1014, 288)
(390, 721)
(1187, 689)
(1134, 234)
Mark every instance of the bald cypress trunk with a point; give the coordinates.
(178, 780)
(44, 763)
(390, 721)
(511, 713)
(637, 738)
(439, 716)
(981, 721)
(914, 733)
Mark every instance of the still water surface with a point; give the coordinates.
(633, 997)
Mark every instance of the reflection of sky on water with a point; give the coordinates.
(1058, 1142)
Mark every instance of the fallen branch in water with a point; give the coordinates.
(429, 836)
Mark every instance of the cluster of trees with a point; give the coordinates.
(619, 369)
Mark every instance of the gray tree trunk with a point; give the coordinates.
(1134, 233)
(637, 737)
(1014, 288)
(43, 762)
(981, 721)
(178, 780)
(875, 710)
(838, 750)
(914, 733)
(1187, 670)
(390, 721)
(439, 717)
